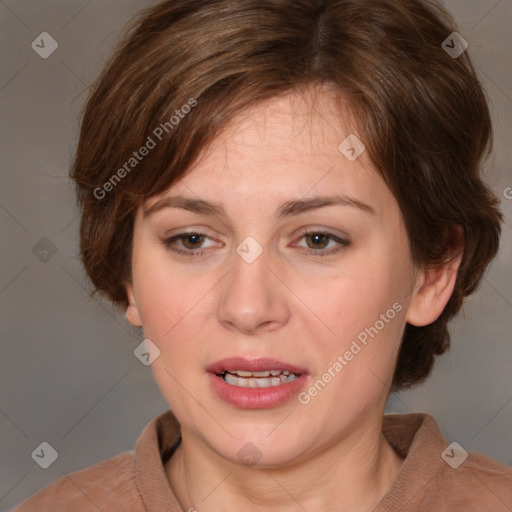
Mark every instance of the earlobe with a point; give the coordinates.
(132, 315)
(132, 312)
(433, 290)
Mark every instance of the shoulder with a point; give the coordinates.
(108, 485)
(442, 476)
(133, 481)
(476, 481)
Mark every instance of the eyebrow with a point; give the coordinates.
(287, 209)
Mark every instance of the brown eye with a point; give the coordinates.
(188, 244)
(193, 239)
(319, 240)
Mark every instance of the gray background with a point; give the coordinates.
(68, 373)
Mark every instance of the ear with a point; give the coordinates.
(132, 312)
(434, 285)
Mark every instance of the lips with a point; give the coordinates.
(233, 364)
(234, 381)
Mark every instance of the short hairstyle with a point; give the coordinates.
(185, 68)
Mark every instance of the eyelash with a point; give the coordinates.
(310, 252)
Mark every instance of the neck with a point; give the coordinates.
(353, 475)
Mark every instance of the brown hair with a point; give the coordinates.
(422, 114)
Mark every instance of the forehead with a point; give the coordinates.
(286, 128)
(282, 148)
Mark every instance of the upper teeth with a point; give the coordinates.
(266, 373)
(267, 378)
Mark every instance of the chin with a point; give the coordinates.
(256, 448)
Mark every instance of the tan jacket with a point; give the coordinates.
(136, 481)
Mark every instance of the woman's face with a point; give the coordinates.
(328, 307)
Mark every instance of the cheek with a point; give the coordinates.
(364, 305)
(167, 296)
(352, 297)
(365, 311)
(173, 306)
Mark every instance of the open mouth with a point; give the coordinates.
(262, 383)
(263, 379)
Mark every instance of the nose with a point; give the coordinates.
(253, 299)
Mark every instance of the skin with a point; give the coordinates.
(328, 454)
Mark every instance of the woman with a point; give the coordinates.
(286, 197)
